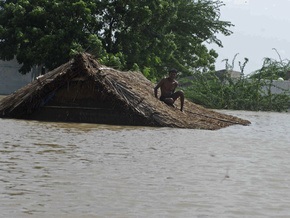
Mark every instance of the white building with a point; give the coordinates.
(278, 87)
(10, 78)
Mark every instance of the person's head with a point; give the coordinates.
(173, 73)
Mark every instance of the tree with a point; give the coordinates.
(149, 35)
(162, 34)
(45, 32)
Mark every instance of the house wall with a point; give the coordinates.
(11, 80)
(279, 87)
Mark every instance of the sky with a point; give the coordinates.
(262, 30)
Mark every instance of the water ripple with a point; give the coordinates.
(88, 170)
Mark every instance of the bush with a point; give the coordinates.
(238, 94)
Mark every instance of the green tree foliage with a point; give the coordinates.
(161, 34)
(45, 32)
(149, 35)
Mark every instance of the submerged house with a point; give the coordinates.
(83, 90)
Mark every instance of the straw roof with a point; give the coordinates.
(130, 91)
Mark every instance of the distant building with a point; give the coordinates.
(10, 78)
(228, 73)
(278, 87)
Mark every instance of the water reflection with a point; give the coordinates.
(86, 170)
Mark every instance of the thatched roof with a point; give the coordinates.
(128, 92)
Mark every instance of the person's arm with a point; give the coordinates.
(157, 87)
(156, 91)
(175, 86)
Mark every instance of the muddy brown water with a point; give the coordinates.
(86, 170)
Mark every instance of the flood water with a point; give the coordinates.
(86, 170)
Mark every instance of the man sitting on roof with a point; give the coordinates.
(167, 87)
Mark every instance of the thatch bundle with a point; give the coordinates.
(82, 90)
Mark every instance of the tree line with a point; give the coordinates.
(146, 35)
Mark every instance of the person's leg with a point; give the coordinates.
(169, 101)
(179, 94)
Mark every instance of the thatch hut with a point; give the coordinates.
(83, 90)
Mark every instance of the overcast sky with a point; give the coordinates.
(260, 26)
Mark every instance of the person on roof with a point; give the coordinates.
(167, 87)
